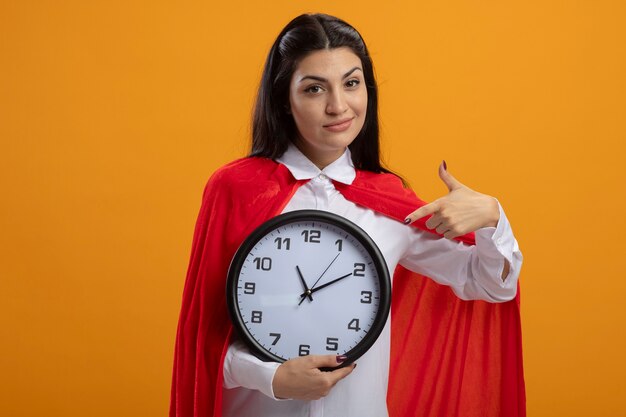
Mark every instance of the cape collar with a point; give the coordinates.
(342, 170)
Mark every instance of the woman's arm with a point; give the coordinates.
(487, 271)
(242, 369)
(298, 378)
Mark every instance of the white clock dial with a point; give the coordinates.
(309, 285)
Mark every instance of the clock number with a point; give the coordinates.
(354, 325)
(359, 270)
(276, 336)
(282, 242)
(367, 297)
(304, 350)
(249, 288)
(332, 343)
(339, 244)
(311, 236)
(257, 316)
(264, 264)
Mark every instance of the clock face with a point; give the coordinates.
(308, 282)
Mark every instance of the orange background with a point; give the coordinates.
(113, 115)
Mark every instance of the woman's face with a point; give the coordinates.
(328, 102)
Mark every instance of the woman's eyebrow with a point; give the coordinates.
(323, 80)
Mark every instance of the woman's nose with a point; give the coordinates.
(337, 103)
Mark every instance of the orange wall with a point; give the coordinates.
(113, 115)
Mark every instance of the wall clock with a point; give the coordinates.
(308, 282)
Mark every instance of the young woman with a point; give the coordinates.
(316, 146)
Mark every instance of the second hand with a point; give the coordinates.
(331, 262)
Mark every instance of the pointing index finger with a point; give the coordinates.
(423, 211)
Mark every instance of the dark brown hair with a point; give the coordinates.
(272, 126)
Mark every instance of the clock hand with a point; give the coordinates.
(323, 286)
(307, 291)
(331, 262)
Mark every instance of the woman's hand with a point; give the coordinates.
(461, 211)
(301, 379)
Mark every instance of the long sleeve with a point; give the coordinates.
(242, 369)
(473, 272)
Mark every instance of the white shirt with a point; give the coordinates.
(473, 272)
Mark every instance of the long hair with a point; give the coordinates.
(272, 126)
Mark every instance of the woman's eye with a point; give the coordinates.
(352, 83)
(313, 89)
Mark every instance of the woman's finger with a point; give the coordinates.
(339, 374)
(325, 361)
(442, 229)
(434, 222)
(300, 378)
(423, 211)
(450, 235)
(448, 179)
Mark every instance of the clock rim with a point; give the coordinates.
(314, 215)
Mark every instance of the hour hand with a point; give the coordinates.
(307, 291)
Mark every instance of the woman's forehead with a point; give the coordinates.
(328, 63)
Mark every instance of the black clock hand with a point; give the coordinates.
(324, 286)
(307, 291)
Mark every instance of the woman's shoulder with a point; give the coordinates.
(244, 165)
(233, 176)
(249, 174)
(243, 169)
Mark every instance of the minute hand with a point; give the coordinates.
(327, 284)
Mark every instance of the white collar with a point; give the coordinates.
(341, 170)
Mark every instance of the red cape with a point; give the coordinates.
(449, 357)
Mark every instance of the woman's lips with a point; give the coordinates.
(339, 126)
